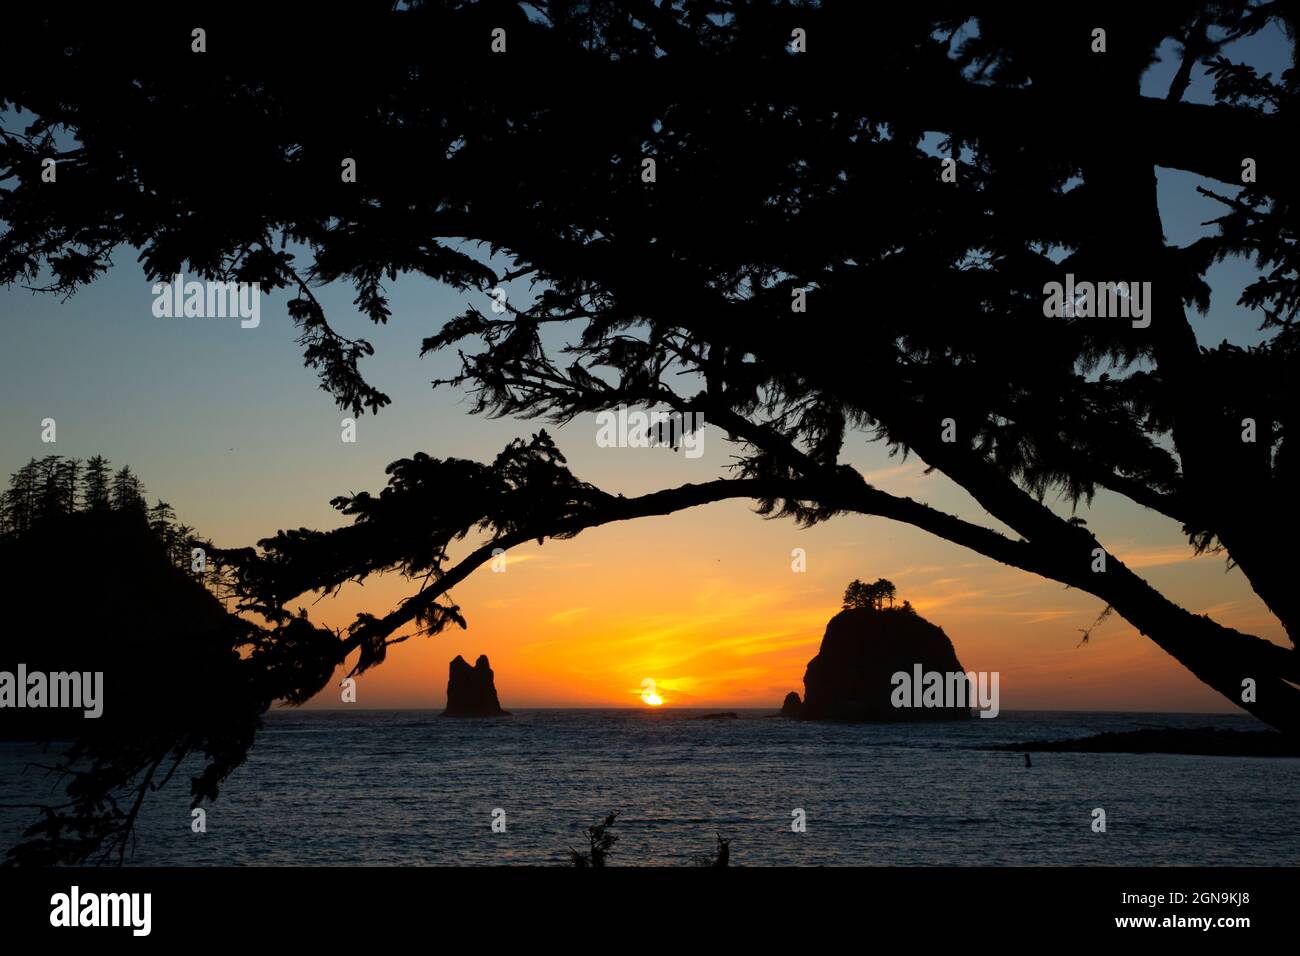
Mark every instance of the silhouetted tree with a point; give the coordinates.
(202, 694)
(721, 858)
(20, 499)
(162, 522)
(812, 175)
(97, 483)
(69, 479)
(127, 493)
(859, 595)
(874, 596)
(925, 298)
(183, 539)
(600, 840)
(51, 487)
(55, 498)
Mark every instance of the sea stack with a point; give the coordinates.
(792, 706)
(851, 678)
(471, 691)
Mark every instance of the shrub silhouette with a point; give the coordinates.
(600, 843)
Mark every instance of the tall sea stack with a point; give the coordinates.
(471, 691)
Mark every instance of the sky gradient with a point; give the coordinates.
(226, 425)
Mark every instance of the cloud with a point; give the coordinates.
(1043, 615)
(564, 617)
(1156, 557)
(911, 471)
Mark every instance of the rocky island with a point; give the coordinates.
(865, 645)
(471, 691)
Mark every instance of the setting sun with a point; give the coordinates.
(648, 694)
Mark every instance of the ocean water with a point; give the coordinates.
(408, 788)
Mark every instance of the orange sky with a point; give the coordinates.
(705, 603)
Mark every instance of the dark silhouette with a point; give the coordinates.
(791, 706)
(859, 595)
(721, 857)
(724, 853)
(1028, 762)
(127, 492)
(93, 587)
(923, 298)
(873, 596)
(96, 483)
(600, 841)
(1203, 741)
(851, 678)
(811, 176)
(471, 691)
(47, 490)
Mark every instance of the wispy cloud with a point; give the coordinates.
(910, 471)
(564, 617)
(1155, 557)
(1042, 615)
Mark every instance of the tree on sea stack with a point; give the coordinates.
(858, 595)
(873, 596)
(853, 675)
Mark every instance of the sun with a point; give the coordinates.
(648, 694)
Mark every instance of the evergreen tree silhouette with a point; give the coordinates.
(188, 677)
(127, 493)
(97, 479)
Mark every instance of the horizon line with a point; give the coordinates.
(723, 709)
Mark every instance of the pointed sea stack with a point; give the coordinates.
(471, 691)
